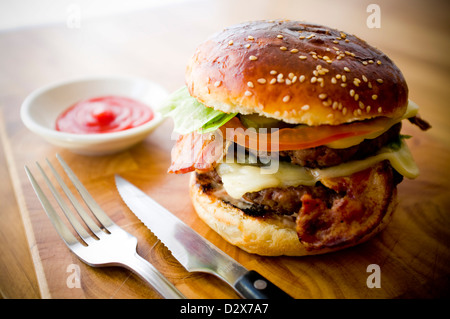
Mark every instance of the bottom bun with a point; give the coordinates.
(267, 236)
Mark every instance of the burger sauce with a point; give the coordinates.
(103, 114)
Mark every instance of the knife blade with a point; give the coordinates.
(194, 252)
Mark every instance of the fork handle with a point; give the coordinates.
(152, 276)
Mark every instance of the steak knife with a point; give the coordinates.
(193, 251)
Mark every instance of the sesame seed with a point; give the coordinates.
(328, 49)
(369, 85)
(303, 57)
(344, 85)
(330, 116)
(305, 107)
(302, 78)
(313, 79)
(283, 48)
(355, 83)
(344, 111)
(333, 80)
(343, 35)
(273, 81)
(280, 76)
(356, 97)
(336, 49)
(379, 62)
(318, 67)
(217, 83)
(380, 110)
(280, 80)
(374, 97)
(247, 45)
(364, 78)
(361, 104)
(294, 79)
(346, 69)
(248, 93)
(368, 108)
(334, 41)
(338, 76)
(301, 37)
(273, 72)
(288, 82)
(370, 61)
(294, 50)
(230, 42)
(344, 78)
(250, 84)
(310, 36)
(335, 105)
(352, 92)
(322, 96)
(291, 75)
(253, 58)
(364, 62)
(250, 37)
(286, 98)
(261, 81)
(380, 81)
(279, 36)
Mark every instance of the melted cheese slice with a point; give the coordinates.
(411, 111)
(239, 179)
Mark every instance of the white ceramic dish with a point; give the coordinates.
(41, 108)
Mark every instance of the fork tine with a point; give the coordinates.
(60, 227)
(81, 211)
(90, 202)
(66, 210)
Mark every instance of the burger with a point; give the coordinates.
(291, 134)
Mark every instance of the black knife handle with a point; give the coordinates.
(254, 286)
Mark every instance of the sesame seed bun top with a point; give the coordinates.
(296, 72)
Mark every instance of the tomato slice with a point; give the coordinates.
(300, 137)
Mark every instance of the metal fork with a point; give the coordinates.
(109, 245)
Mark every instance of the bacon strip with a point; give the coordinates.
(421, 123)
(359, 207)
(196, 151)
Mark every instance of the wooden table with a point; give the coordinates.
(412, 253)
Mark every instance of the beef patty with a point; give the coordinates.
(323, 156)
(286, 201)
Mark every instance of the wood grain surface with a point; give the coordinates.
(413, 252)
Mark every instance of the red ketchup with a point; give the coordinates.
(103, 114)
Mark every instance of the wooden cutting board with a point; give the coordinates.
(412, 253)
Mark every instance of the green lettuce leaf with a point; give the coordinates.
(189, 115)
